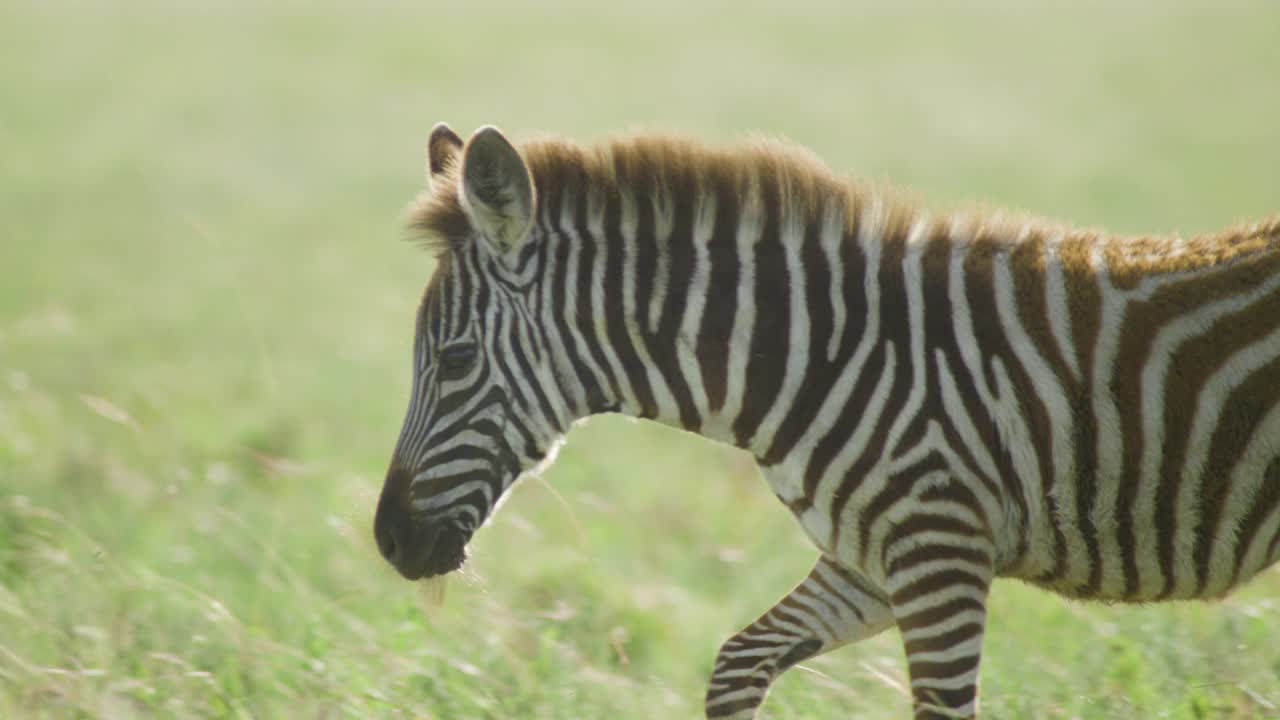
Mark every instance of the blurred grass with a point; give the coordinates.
(205, 314)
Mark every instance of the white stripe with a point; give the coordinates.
(663, 220)
(663, 399)
(448, 497)
(960, 421)
(574, 306)
(595, 229)
(951, 622)
(745, 692)
(1109, 422)
(838, 470)
(913, 284)
(704, 218)
(1057, 307)
(927, 602)
(831, 239)
(543, 379)
(1015, 429)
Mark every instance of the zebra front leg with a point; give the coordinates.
(830, 608)
(938, 584)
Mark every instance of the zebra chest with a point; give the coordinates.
(830, 511)
(859, 503)
(787, 480)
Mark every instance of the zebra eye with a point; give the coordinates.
(458, 358)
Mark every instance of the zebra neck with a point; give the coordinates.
(695, 312)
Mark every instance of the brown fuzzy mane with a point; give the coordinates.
(672, 168)
(667, 168)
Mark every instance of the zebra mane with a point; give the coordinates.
(670, 168)
(667, 169)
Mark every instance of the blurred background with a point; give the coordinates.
(206, 307)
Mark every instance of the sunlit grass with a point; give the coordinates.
(205, 311)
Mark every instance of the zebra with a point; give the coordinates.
(939, 398)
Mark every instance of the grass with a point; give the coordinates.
(205, 314)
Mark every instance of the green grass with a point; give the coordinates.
(205, 313)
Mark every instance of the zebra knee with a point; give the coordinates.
(802, 650)
(743, 654)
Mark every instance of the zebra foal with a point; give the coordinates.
(940, 399)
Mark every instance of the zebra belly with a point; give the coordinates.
(1222, 533)
(1193, 538)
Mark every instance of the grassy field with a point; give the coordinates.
(205, 318)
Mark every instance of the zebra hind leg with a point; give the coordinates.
(830, 608)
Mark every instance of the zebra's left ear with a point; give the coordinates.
(442, 151)
(496, 189)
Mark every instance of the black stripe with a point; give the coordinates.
(616, 321)
(721, 307)
(682, 259)
(933, 584)
(820, 373)
(894, 330)
(1244, 410)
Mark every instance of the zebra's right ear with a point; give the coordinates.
(496, 190)
(443, 148)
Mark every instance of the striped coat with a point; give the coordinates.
(940, 399)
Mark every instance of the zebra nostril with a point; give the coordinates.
(387, 544)
(391, 527)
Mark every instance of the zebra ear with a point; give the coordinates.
(443, 148)
(496, 189)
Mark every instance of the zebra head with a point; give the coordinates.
(486, 406)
